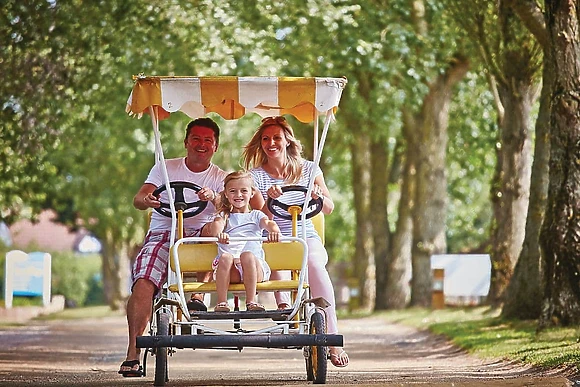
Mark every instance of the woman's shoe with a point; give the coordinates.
(339, 358)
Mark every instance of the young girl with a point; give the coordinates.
(241, 261)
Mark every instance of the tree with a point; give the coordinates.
(512, 61)
(523, 291)
(559, 236)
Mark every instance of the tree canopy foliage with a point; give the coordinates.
(67, 143)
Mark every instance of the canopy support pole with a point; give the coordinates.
(160, 160)
(318, 154)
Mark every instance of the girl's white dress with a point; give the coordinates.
(245, 224)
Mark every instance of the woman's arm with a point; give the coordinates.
(257, 202)
(327, 204)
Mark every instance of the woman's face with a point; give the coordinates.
(274, 142)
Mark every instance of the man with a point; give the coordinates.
(150, 267)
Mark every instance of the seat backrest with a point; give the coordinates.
(280, 256)
(199, 257)
(284, 256)
(196, 257)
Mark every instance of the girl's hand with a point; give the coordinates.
(274, 191)
(223, 238)
(273, 236)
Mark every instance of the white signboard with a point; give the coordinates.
(27, 275)
(466, 275)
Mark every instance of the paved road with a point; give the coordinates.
(88, 353)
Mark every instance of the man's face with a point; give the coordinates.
(201, 144)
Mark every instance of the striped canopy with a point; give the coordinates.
(233, 97)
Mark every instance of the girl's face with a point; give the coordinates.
(274, 141)
(239, 192)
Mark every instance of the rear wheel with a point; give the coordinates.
(316, 365)
(161, 375)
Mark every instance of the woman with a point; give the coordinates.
(274, 158)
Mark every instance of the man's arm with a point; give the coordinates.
(144, 198)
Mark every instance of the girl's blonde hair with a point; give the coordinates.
(254, 156)
(225, 206)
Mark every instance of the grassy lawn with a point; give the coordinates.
(482, 332)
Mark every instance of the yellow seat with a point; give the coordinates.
(199, 257)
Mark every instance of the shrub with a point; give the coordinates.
(73, 276)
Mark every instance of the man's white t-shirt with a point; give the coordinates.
(212, 177)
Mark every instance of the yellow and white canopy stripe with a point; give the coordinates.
(232, 97)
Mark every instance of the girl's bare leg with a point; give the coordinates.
(222, 277)
(252, 274)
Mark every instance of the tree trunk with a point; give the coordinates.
(429, 214)
(363, 255)
(115, 271)
(523, 291)
(380, 221)
(560, 236)
(399, 269)
(512, 186)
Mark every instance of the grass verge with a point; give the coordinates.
(86, 312)
(484, 333)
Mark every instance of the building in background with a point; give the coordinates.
(48, 235)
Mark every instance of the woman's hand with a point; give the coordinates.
(317, 192)
(274, 191)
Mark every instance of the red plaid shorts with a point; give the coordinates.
(151, 262)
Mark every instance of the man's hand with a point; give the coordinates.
(207, 194)
(151, 201)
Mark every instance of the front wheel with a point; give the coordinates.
(316, 365)
(161, 375)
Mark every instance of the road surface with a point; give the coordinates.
(88, 352)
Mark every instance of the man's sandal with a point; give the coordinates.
(196, 304)
(255, 307)
(222, 307)
(283, 306)
(132, 369)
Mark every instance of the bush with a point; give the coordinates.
(74, 276)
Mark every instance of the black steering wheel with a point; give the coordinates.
(274, 205)
(179, 199)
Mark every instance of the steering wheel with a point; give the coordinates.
(275, 205)
(180, 203)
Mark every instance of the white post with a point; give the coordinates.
(46, 280)
(11, 258)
